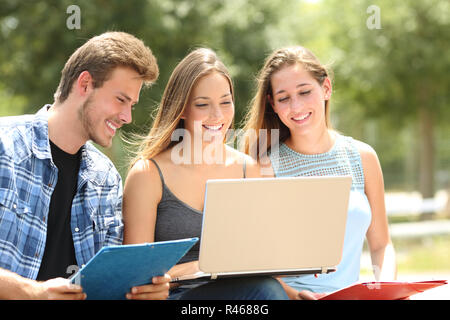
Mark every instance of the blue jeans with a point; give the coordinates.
(252, 288)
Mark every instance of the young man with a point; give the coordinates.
(60, 198)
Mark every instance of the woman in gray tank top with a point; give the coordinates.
(164, 191)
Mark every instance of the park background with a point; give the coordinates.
(390, 61)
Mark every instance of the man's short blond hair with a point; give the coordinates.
(101, 55)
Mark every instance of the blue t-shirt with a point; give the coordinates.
(342, 159)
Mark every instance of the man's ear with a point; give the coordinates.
(84, 83)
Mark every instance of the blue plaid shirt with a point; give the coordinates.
(28, 177)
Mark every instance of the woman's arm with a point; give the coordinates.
(142, 193)
(141, 196)
(378, 238)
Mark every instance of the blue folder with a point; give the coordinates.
(114, 270)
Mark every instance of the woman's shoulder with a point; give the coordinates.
(364, 149)
(143, 172)
(369, 157)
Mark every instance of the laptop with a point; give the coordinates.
(272, 226)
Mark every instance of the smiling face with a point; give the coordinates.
(210, 107)
(299, 100)
(109, 107)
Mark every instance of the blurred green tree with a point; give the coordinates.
(391, 86)
(409, 73)
(36, 41)
(394, 69)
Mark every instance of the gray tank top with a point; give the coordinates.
(177, 220)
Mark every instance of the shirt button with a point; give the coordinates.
(15, 206)
(77, 229)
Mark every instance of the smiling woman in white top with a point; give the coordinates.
(293, 96)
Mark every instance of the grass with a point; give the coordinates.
(430, 254)
(421, 255)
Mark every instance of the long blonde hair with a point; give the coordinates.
(194, 66)
(261, 115)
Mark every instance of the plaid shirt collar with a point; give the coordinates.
(40, 147)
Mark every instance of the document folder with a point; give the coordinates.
(114, 270)
(383, 290)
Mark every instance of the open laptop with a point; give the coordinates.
(272, 226)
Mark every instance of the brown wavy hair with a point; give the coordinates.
(261, 114)
(195, 65)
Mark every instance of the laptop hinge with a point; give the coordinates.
(213, 276)
(324, 269)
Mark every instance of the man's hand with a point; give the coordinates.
(158, 290)
(56, 289)
(14, 286)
